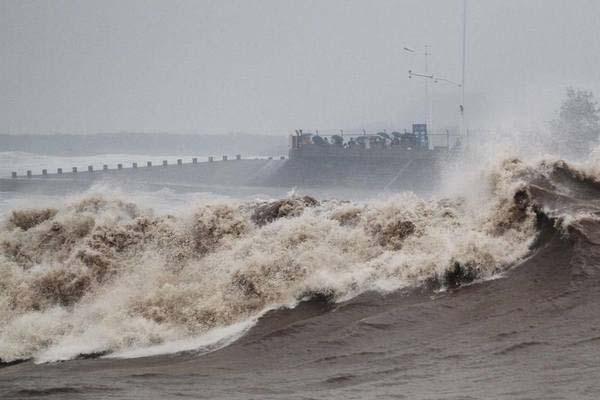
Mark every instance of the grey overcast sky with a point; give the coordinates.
(271, 65)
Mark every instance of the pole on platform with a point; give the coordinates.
(428, 96)
(464, 63)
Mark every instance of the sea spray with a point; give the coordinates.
(103, 275)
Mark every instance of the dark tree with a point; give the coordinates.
(577, 129)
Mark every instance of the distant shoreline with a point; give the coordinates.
(144, 143)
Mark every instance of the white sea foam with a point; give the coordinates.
(103, 275)
(212, 340)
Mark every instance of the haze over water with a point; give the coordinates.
(486, 286)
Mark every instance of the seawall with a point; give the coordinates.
(309, 166)
(391, 168)
(229, 172)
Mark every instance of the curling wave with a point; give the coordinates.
(105, 276)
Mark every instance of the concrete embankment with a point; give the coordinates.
(368, 168)
(314, 168)
(236, 172)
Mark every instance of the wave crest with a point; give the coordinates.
(104, 275)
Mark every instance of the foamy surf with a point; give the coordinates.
(106, 277)
(212, 340)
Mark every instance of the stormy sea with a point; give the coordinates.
(489, 292)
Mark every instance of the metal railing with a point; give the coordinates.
(385, 137)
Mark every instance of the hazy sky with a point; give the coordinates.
(220, 66)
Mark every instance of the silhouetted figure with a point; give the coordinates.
(318, 140)
(337, 140)
(362, 141)
(408, 140)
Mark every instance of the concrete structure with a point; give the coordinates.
(189, 175)
(409, 160)
(370, 162)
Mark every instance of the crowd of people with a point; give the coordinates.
(406, 140)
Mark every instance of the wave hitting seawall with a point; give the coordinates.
(103, 276)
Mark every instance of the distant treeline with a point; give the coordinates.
(147, 143)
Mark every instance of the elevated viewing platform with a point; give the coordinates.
(374, 161)
(418, 144)
(408, 160)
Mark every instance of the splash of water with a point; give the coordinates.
(102, 275)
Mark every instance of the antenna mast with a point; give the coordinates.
(464, 62)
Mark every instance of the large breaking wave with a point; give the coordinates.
(106, 276)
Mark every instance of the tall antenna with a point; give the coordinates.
(428, 76)
(464, 62)
(428, 96)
